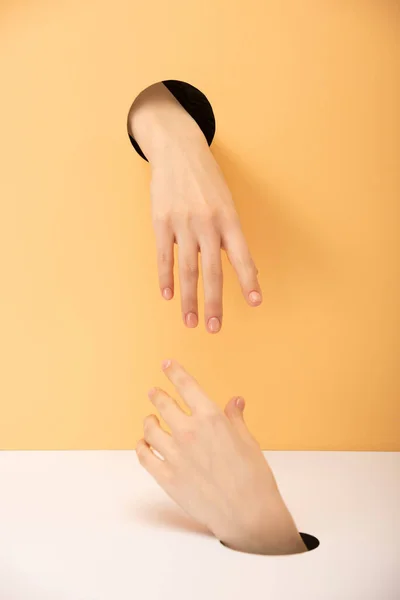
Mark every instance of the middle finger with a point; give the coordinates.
(188, 278)
(212, 281)
(168, 408)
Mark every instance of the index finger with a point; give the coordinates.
(241, 260)
(188, 388)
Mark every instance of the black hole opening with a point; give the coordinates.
(195, 103)
(310, 541)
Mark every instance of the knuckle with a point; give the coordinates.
(214, 271)
(164, 258)
(244, 260)
(182, 218)
(248, 268)
(157, 399)
(161, 219)
(249, 263)
(252, 267)
(149, 423)
(186, 436)
(214, 419)
(207, 225)
(190, 271)
(183, 380)
(231, 219)
(160, 403)
(208, 215)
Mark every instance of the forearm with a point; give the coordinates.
(159, 123)
(275, 535)
(287, 545)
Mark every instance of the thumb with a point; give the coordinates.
(234, 411)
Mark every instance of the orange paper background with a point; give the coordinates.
(306, 97)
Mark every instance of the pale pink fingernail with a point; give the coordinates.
(167, 294)
(166, 364)
(191, 320)
(151, 392)
(214, 325)
(240, 403)
(255, 298)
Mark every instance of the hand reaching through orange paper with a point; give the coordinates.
(192, 207)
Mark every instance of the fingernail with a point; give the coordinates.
(255, 298)
(151, 392)
(214, 325)
(240, 403)
(167, 293)
(166, 364)
(191, 320)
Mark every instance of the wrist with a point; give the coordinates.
(160, 125)
(274, 533)
(268, 544)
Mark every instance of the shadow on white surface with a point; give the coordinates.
(165, 515)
